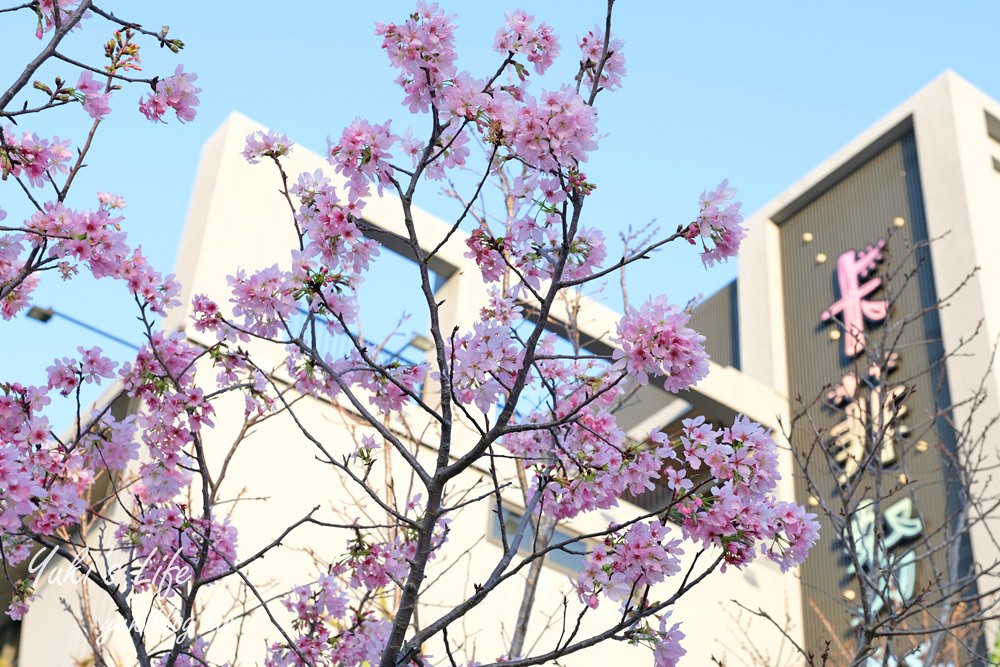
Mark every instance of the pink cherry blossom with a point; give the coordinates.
(95, 102)
(556, 131)
(464, 98)
(485, 362)
(519, 37)
(630, 560)
(654, 340)
(488, 254)
(19, 298)
(33, 157)
(422, 49)
(362, 155)
(110, 201)
(591, 53)
(47, 10)
(269, 144)
(668, 650)
(175, 92)
(719, 225)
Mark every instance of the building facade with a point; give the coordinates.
(868, 296)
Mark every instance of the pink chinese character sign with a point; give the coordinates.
(853, 307)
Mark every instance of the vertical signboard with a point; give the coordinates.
(861, 335)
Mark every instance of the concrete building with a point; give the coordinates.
(853, 235)
(801, 317)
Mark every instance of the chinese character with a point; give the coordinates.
(877, 413)
(852, 306)
(897, 573)
(898, 524)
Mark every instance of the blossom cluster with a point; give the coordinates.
(66, 375)
(613, 71)
(422, 48)
(320, 285)
(162, 376)
(333, 628)
(362, 155)
(667, 650)
(46, 485)
(718, 226)
(169, 545)
(19, 296)
(551, 134)
(484, 362)
(55, 486)
(176, 92)
(583, 463)
(319, 610)
(193, 655)
(556, 131)
(34, 157)
(740, 510)
(529, 252)
(391, 386)
(92, 239)
(655, 340)
(268, 144)
(324, 273)
(93, 98)
(377, 564)
(38, 162)
(518, 36)
(731, 508)
(47, 10)
(628, 561)
(336, 253)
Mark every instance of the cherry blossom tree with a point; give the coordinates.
(131, 502)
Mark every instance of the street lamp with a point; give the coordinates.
(422, 343)
(43, 315)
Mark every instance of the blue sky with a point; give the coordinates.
(755, 92)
